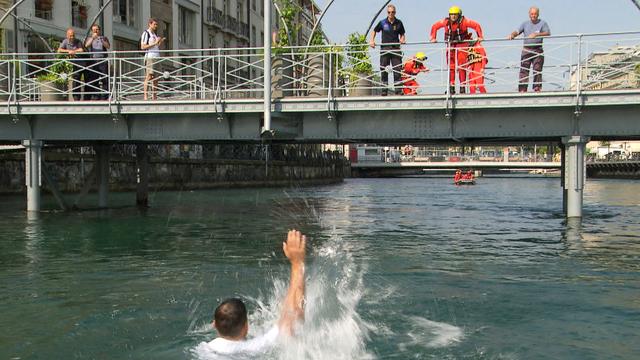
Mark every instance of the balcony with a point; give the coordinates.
(227, 23)
(215, 17)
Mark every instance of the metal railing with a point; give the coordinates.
(574, 63)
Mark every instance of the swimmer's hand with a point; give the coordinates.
(295, 247)
(293, 302)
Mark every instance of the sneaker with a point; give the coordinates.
(463, 90)
(452, 90)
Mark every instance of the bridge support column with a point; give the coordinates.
(142, 175)
(33, 173)
(102, 174)
(573, 174)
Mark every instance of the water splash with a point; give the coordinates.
(431, 334)
(332, 329)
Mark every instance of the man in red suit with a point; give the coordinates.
(457, 35)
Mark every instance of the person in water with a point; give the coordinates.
(230, 318)
(458, 176)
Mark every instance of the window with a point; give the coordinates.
(44, 9)
(186, 22)
(261, 38)
(165, 31)
(79, 14)
(124, 12)
(253, 36)
(253, 5)
(239, 8)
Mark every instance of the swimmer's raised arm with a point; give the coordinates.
(293, 304)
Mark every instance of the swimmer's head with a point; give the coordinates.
(230, 319)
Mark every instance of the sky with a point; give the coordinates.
(497, 17)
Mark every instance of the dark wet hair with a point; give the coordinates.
(230, 317)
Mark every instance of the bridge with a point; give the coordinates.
(447, 165)
(381, 169)
(315, 95)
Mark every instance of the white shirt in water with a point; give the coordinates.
(220, 348)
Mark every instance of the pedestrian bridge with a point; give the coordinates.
(449, 165)
(590, 88)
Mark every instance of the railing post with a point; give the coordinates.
(579, 69)
(267, 67)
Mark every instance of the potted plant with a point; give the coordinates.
(53, 79)
(358, 70)
(4, 74)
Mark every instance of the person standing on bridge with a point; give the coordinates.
(477, 60)
(532, 54)
(393, 32)
(150, 43)
(96, 74)
(457, 36)
(72, 46)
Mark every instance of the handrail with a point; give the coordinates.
(577, 63)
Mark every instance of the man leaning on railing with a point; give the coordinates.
(532, 54)
(72, 46)
(393, 33)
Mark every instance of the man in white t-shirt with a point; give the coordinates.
(150, 43)
(230, 318)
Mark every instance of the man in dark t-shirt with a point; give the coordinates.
(392, 31)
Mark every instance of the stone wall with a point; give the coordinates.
(614, 170)
(71, 170)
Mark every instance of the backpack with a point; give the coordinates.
(146, 42)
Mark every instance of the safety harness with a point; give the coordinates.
(457, 35)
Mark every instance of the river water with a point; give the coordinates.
(406, 268)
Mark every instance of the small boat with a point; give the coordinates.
(465, 182)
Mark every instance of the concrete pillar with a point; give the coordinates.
(142, 175)
(574, 174)
(33, 174)
(102, 174)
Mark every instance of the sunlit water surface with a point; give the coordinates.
(398, 269)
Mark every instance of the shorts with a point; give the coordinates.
(149, 65)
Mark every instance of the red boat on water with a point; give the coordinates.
(464, 179)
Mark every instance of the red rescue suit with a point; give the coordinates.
(456, 34)
(477, 60)
(410, 70)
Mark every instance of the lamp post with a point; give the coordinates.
(266, 129)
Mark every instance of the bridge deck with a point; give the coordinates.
(607, 114)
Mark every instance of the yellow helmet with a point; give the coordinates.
(455, 10)
(421, 56)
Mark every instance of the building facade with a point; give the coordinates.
(186, 24)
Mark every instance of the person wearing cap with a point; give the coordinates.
(457, 36)
(477, 61)
(392, 33)
(410, 70)
(532, 54)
